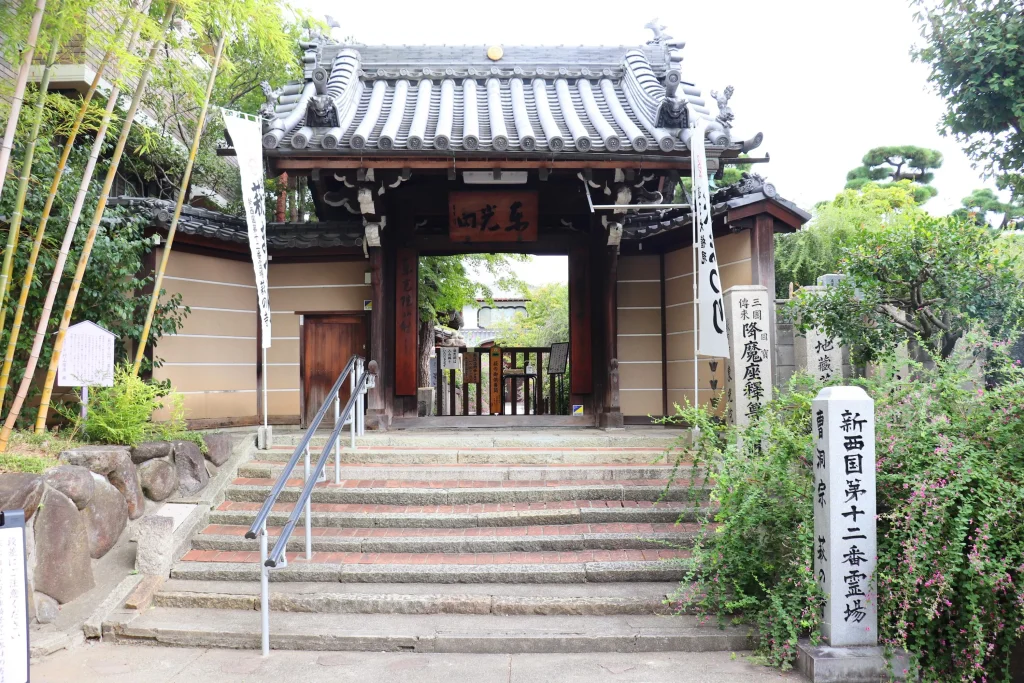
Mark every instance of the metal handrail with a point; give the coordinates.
(261, 516)
(307, 490)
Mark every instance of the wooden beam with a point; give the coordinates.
(770, 207)
(580, 328)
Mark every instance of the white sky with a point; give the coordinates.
(824, 81)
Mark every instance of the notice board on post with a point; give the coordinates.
(492, 216)
(13, 598)
(406, 321)
(497, 406)
(559, 358)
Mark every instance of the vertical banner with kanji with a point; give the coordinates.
(406, 322)
(711, 338)
(246, 136)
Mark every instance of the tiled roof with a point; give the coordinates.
(539, 100)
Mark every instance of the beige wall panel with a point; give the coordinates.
(639, 268)
(178, 349)
(199, 267)
(736, 274)
(680, 374)
(735, 247)
(283, 376)
(640, 375)
(678, 291)
(319, 299)
(638, 321)
(705, 398)
(678, 262)
(639, 294)
(284, 324)
(206, 377)
(639, 348)
(283, 402)
(223, 405)
(337, 273)
(640, 403)
(679, 346)
(679, 318)
(220, 323)
(283, 351)
(213, 296)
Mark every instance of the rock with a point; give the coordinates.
(155, 553)
(63, 569)
(105, 518)
(99, 459)
(147, 450)
(74, 481)
(47, 609)
(219, 446)
(21, 491)
(211, 469)
(191, 466)
(159, 479)
(125, 479)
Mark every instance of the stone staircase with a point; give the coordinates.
(506, 543)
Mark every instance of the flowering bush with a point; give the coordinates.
(950, 466)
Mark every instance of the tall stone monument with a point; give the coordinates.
(748, 373)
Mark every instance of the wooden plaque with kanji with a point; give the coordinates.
(497, 216)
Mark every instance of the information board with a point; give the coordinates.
(471, 367)
(13, 599)
(449, 357)
(496, 404)
(88, 357)
(558, 358)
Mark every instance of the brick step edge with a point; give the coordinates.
(499, 472)
(496, 457)
(398, 603)
(457, 544)
(586, 572)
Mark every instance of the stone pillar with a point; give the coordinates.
(819, 355)
(748, 372)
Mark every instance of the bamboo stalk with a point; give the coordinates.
(182, 193)
(26, 284)
(26, 170)
(19, 94)
(83, 260)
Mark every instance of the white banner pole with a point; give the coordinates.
(696, 316)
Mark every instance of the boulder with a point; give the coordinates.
(21, 491)
(105, 518)
(219, 446)
(63, 570)
(74, 481)
(191, 466)
(147, 450)
(155, 551)
(47, 609)
(159, 479)
(99, 459)
(125, 479)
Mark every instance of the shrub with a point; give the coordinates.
(950, 570)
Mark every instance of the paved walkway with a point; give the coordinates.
(109, 663)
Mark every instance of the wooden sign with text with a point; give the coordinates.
(406, 322)
(498, 216)
(471, 367)
(497, 405)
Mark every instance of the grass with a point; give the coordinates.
(31, 452)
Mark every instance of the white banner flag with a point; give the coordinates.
(712, 339)
(246, 135)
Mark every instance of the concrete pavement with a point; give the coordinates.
(108, 663)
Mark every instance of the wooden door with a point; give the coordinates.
(328, 341)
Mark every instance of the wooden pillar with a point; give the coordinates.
(580, 328)
(282, 199)
(378, 336)
(762, 262)
(406, 322)
(611, 417)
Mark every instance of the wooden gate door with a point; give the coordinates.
(328, 341)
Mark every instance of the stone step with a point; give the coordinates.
(494, 438)
(471, 540)
(463, 516)
(406, 455)
(600, 599)
(408, 492)
(466, 633)
(485, 472)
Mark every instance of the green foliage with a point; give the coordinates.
(23, 463)
(975, 50)
(920, 277)
(950, 493)
(546, 319)
(447, 283)
(801, 257)
(984, 201)
(893, 164)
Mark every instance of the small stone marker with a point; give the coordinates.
(816, 353)
(845, 544)
(13, 598)
(749, 369)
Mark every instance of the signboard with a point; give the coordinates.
(406, 321)
(711, 335)
(449, 357)
(497, 404)
(492, 216)
(13, 598)
(558, 358)
(471, 367)
(246, 135)
(577, 410)
(367, 304)
(88, 357)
